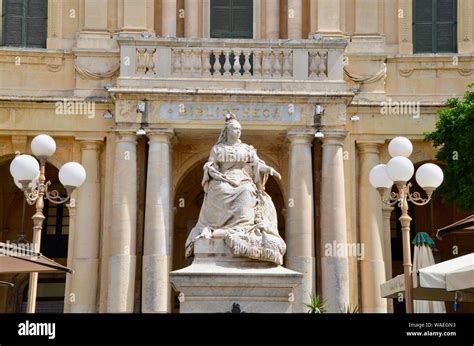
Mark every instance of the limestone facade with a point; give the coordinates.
(128, 224)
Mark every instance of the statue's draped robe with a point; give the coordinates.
(243, 210)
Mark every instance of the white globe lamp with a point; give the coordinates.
(400, 169)
(24, 168)
(378, 177)
(429, 176)
(72, 175)
(400, 146)
(43, 147)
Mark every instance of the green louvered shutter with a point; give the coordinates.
(13, 23)
(434, 26)
(446, 24)
(231, 18)
(221, 15)
(25, 23)
(423, 26)
(36, 23)
(242, 19)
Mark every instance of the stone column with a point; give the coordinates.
(168, 18)
(136, 16)
(272, 16)
(84, 281)
(95, 15)
(122, 241)
(334, 264)
(387, 238)
(295, 19)
(372, 265)
(367, 17)
(157, 254)
(330, 17)
(191, 17)
(313, 16)
(299, 222)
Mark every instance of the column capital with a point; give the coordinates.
(90, 143)
(366, 147)
(126, 136)
(334, 136)
(160, 135)
(300, 136)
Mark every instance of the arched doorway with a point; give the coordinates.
(15, 218)
(187, 202)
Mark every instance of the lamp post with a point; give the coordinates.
(399, 170)
(30, 175)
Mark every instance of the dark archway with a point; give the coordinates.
(188, 200)
(15, 217)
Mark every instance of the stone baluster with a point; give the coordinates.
(206, 62)
(187, 63)
(257, 66)
(247, 66)
(227, 66)
(277, 64)
(197, 62)
(237, 65)
(177, 62)
(266, 66)
(287, 68)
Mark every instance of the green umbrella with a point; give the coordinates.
(424, 258)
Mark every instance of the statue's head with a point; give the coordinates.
(231, 131)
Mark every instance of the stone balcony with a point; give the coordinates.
(232, 64)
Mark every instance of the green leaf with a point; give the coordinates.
(454, 136)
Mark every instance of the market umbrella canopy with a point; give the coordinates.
(424, 258)
(19, 259)
(453, 275)
(437, 282)
(459, 227)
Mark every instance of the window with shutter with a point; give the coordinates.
(434, 26)
(25, 23)
(231, 18)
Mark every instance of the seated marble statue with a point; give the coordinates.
(235, 201)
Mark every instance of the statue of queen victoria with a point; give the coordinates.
(235, 202)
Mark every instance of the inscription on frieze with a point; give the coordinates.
(244, 112)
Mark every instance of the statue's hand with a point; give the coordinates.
(274, 173)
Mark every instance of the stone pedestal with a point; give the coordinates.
(217, 281)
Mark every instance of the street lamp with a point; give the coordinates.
(30, 177)
(399, 170)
